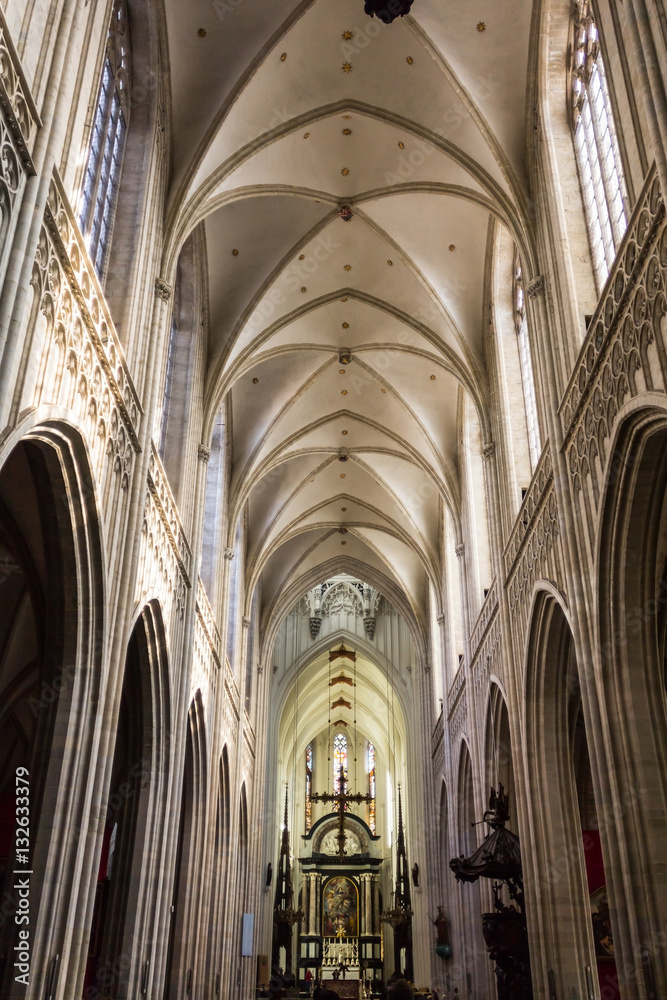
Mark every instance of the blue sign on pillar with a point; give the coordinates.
(246, 937)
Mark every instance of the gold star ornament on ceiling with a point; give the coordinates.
(345, 171)
(347, 67)
(347, 36)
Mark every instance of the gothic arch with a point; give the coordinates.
(632, 623)
(499, 757)
(136, 811)
(186, 955)
(472, 968)
(559, 926)
(276, 612)
(51, 670)
(218, 921)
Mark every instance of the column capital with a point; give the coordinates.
(460, 549)
(489, 449)
(203, 453)
(163, 289)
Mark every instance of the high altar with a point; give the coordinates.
(341, 900)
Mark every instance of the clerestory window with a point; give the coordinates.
(596, 145)
(107, 141)
(525, 361)
(339, 759)
(309, 786)
(371, 787)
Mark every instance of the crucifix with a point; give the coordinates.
(341, 798)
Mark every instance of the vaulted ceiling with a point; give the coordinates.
(282, 114)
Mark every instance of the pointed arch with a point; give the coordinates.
(52, 649)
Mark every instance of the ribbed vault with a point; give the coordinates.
(346, 352)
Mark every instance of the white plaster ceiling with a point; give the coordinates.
(424, 138)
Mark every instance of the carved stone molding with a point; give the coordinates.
(624, 352)
(159, 488)
(18, 108)
(489, 450)
(460, 549)
(532, 553)
(82, 367)
(369, 625)
(63, 241)
(488, 656)
(205, 612)
(13, 175)
(489, 610)
(542, 478)
(161, 571)
(314, 625)
(441, 619)
(535, 288)
(246, 622)
(455, 691)
(163, 289)
(229, 553)
(458, 719)
(203, 453)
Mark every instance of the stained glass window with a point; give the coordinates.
(525, 361)
(107, 141)
(339, 758)
(596, 145)
(309, 786)
(371, 786)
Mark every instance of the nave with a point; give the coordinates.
(333, 535)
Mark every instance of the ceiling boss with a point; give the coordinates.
(387, 10)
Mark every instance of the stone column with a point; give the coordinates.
(375, 922)
(368, 904)
(313, 902)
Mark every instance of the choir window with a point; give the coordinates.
(339, 759)
(309, 787)
(371, 786)
(107, 142)
(596, 145)
(527, 379)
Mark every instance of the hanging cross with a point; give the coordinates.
(341, 798)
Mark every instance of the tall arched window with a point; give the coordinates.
(596, 145)
(371, 786)
(339, 759)
(107, 141)
(309, 786)
(525, 360)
